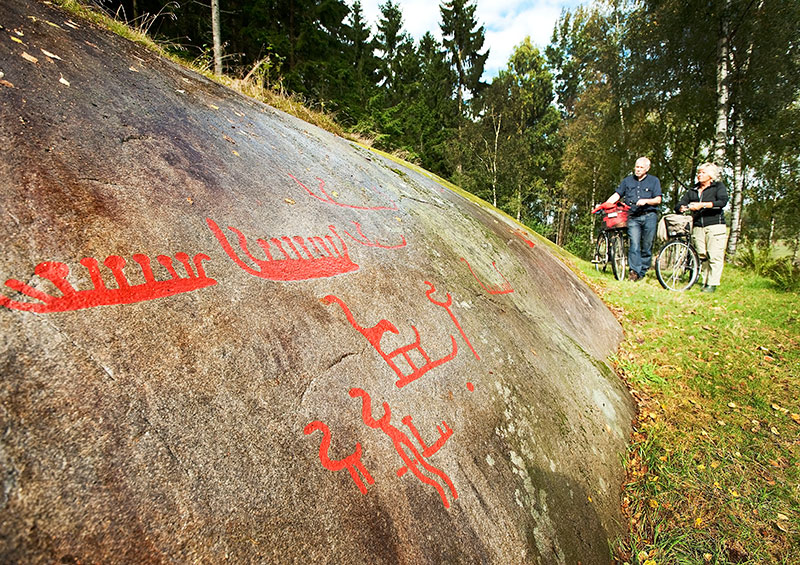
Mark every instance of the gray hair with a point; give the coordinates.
(711, 169)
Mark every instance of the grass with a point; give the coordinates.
(713, 471)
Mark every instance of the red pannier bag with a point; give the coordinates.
(616, 216)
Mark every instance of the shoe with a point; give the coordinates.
(709, 288)
(633, 276)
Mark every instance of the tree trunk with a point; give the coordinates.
(737, 194)
(216, 37)
(723, 91)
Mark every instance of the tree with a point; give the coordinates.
(390, 41)
(216, 37)
(463, 39)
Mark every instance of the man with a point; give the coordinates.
(642, 192)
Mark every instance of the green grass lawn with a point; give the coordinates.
(713, 472)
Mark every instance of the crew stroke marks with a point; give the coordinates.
(101, 295)
(294, 259)
(414, 459)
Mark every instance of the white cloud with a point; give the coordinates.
(507, 23)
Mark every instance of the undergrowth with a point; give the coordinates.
(713, 472)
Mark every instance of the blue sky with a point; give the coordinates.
(507, 23)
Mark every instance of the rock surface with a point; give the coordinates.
(231, 336)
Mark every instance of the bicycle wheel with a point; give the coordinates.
(601, 252)
(677, 266)
(619, 256)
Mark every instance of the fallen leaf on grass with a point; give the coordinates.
(796, 418)
(774, 430)
(731, 405)
(783, 517)
(781, 527)
(698, 522)
(652, 503)
(30, 58)
(51, 55)
(707, 557)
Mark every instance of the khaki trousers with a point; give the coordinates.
(710, 244)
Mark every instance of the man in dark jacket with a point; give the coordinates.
(642, 192)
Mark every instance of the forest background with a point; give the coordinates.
(680, 81)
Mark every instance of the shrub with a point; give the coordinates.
(785, 274)
(757, 259)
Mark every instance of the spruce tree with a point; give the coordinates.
(463, 39)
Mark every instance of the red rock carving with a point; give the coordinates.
(504, 288)
(446, 305)
(101, 295)
(317, 259)
(374, 335)
(523, 235)
(414, 460)
(330, 200)
(363, 240)
(352, 462)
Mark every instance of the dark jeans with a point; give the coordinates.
(641, 232)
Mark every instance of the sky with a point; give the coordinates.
(507, 23)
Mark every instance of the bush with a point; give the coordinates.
(785, 274)
(757, 259)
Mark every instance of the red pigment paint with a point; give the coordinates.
(414, 460)
(291, 258)
(505, 288)
(374, 335)
(328, 199)
(364, 240)
(101, 295)
(352, 462)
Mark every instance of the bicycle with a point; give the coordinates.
(677, 264)
(612, 239)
